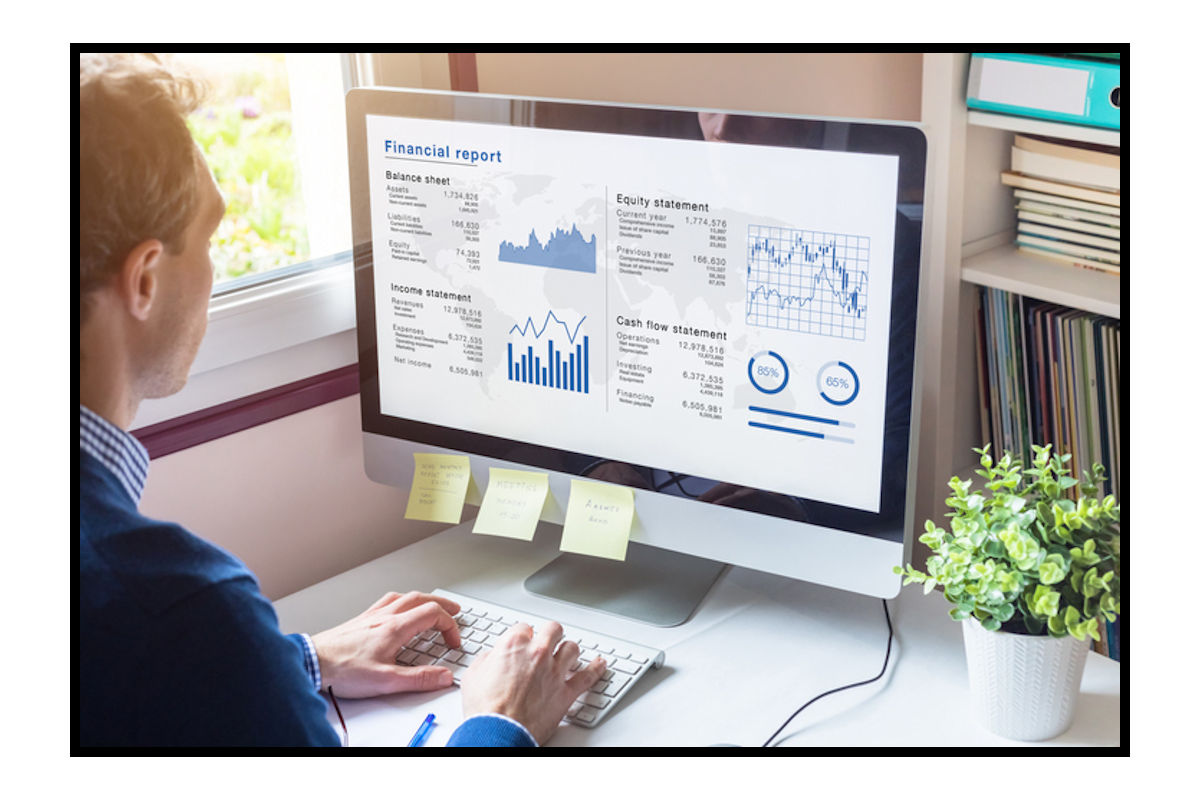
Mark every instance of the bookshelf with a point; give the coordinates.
(970, 227)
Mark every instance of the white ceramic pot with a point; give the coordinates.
(1023, 687)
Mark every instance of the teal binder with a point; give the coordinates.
(1078, 91)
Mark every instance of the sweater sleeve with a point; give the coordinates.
(235, 678)
(490, 730)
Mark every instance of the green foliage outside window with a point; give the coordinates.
(245, 130)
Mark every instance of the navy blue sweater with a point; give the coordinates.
(177, 645)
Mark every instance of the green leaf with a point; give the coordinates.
(1045, 602)
(1053, 569)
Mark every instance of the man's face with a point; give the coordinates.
(180, 314)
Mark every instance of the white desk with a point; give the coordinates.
(758, 648)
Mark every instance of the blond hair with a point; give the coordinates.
(137, 176)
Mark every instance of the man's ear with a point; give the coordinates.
(138, 282)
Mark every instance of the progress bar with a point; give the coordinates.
(798, 432)
(806, 417)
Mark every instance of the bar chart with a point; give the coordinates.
(547, 362)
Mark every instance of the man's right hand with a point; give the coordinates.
(524, 678)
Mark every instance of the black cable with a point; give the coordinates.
(886, 656)
(339, 713)
(676, 480)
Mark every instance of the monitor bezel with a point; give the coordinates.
(486, 108)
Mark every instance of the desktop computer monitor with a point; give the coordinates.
(717, 309)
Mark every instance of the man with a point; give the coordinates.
(177, 645)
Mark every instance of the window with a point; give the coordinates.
(273, 129)
(273, 132)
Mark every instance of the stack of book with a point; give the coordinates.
(1052, 374)
(1068, 197)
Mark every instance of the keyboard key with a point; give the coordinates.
(595, 700)
(423, 659)
(406, 657)
(482, 624)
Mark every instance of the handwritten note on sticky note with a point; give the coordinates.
(439, 487)
(513, 503)
(599, 517)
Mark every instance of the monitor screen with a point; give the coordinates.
(718, 308)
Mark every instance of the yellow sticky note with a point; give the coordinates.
(599, 517)
(439, 487)
(513, 503)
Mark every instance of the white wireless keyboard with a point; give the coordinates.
(481, 623)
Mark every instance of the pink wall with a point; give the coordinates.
(872, 85)
(289, 498)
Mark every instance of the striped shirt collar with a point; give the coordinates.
(118, 451)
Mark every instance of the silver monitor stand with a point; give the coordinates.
(651, 585)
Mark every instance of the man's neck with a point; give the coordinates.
(105, 384)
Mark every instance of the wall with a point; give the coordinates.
(872, 85)
(290, 498)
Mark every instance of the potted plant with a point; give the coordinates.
(1029, 569)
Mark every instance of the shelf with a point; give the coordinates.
(1005, 268)
(1041, 127)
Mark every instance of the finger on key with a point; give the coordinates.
(547, 636)
(584, 678)
(517, 633)
(430, 616)
(410, 600)
(567, 655)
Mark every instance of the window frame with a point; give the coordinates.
(271, 329)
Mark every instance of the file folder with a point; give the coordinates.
(1078, 91)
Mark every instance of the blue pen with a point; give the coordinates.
(422, 732)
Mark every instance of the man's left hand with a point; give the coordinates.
(358, 657)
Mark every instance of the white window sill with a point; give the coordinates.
(266, 336)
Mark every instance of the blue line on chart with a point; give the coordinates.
(549, 315)
(801, 433)
(802, 416)
(847, 296)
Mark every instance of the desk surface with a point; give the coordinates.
(758, 648)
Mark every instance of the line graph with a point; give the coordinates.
(555, 367)
(807, 281)
(524, 328)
